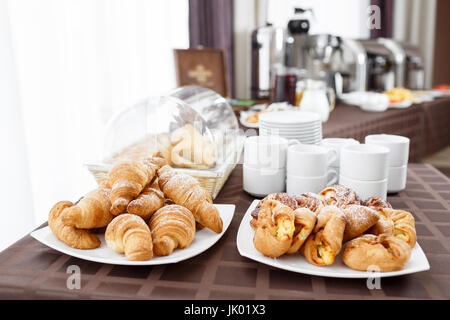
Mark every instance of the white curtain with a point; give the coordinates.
(414, 22)
(78, 61)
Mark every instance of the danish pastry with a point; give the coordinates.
(284, 198)
(401, 224)
(383, 253)
(275, 229)
(304, 223)
(172, 227)
(325, 243)
(377, 203)
(339, 195)
(359, 219)
(312, 201)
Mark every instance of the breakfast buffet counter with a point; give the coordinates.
(427, 125)
(31, 270)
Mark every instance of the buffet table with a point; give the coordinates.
(426, 124)
(30, 270)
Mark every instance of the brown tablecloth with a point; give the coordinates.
(30, 270)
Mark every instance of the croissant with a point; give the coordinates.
(73, 237)
(129, 178)
(275, 229)
(185, 191)
(359, 219)
(172, 227)
(322, 247)
(129, 234)
(304, 222)
(386, 253)
(191, 149)
(146, 204)
(92, 211)
(339, 195)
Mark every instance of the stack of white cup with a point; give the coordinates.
(397, 160)
(337, 144)
(264, 168)
(364, 168)
(308, 168)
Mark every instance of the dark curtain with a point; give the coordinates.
(386, 7)
(211, 26)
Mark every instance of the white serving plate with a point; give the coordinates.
(309, 136)
(401, 105)
(294, 125)
(297, 263)
(296, 130)
(204, 239)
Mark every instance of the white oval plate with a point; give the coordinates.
(289, 117)
(204, 239)
(297, 263)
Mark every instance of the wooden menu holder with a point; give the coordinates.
(203, 67)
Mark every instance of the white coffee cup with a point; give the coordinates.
(266, 151)
(397, 178)
(337, 144)
(309, 160)
(366, 189)
(260, 182)
(398, 147)
(364, 162)
(298, 185)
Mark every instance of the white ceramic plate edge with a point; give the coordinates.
(320, 271)
(226, 213)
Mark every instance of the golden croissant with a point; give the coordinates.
(275, 229)
(129, 234)
(191, 149)
(92, 211)
(359, 219)
(128, 179)
(73, 237)
(146, 204)
(172, 227)
(185, 191)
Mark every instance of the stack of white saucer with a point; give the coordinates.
(305, 127)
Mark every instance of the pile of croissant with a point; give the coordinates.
(146, 206)
(375, 236)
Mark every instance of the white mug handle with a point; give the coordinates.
(333, 157)
(293, 142)
(332, 177)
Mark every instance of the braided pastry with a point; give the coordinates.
(172, 227)
(129, 234)
(325, 243)
(339, 195)
(386, 253)
(275, 229)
